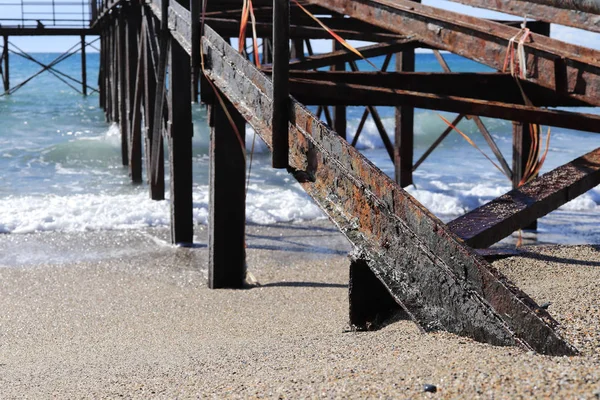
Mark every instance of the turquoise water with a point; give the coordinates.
(61, 165)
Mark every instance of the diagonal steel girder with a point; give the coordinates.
(568, 69)
(547, 12)
(442, 283)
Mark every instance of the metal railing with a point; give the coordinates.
(42, 14)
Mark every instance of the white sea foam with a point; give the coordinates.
(89, 212)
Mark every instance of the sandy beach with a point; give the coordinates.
(125, 315)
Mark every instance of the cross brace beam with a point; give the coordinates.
(518, 208)
(568, 69)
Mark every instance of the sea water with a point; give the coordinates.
(61, 167)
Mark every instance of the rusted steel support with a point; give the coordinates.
(267, 51)
(522, 146)
(195, 12)
(590, 6)
(227, 201)
(281, 91)
(231, 27)
(114, 78)
(516, 209)
(497, 87)
(83, 67)
(371, 305)
(102, 89)
(352, 94)
(157, 185)
(543, 12)
(135, 140)
(6, 76)
(439, 281)
(339, 56)
(340, 124)
(297, 49)
(158, 123)
(404, 129)
(483, 41)
(123, 87)
(180, 132)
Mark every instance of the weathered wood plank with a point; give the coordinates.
(439, 281)
(516, 209)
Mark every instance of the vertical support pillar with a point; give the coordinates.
(339, 112)
(281, 98)
(134, 91)
(157, 175)
(83, 67)
(404, 132)
(157, 192)
(180, 144)
(370, 302)
(522, 145)
(298, 49)
(267, 55)
(195, 11)
(135, 144)
(114, 80)
(6, 65)
(102, 71)
(123, 85)
(227, 209)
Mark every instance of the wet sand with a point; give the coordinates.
(124, 314)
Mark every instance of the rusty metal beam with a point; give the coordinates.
(516, 209)
(484, 86)
(442, 283)
(542, 12)
(340, 56)
(231, 28)
(281, 90)
(569, 69)
(321, 93)
(589, 6)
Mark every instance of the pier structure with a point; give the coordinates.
(158, 56)
(46, 18)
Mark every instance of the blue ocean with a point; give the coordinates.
(61, 164)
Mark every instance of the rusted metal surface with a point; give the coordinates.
(516, 209)
(281, 86)
(231, 28)
(327, 92)
(572, 70)
(542, 12)
(439, 281)
(590, 6)
(339, 56)
(496, 87)
(371, 305)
